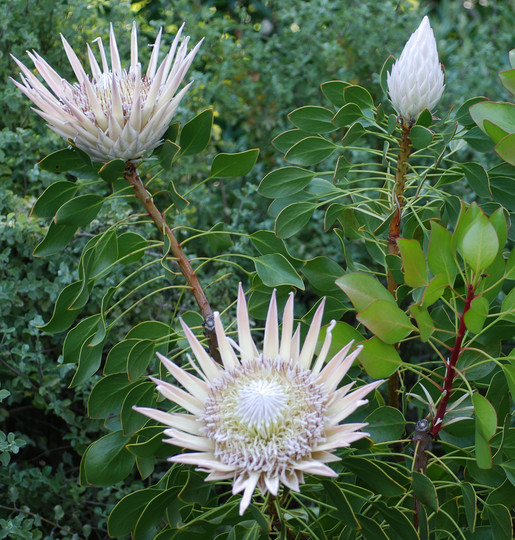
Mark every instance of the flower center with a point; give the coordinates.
(265, 415)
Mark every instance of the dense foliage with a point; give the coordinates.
(260, 62)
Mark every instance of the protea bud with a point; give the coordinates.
(115, 113)
(416, 81)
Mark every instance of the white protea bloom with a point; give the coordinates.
(416, 81)
(114, 113)
(262, 419)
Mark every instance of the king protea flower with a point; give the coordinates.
(262, 418)
(114, 113)
(416, 81)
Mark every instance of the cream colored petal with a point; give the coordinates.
(96, 72)
(105, 66)
(153, 58)
(153, 92)
(116, 102)
(290, 479)
(95, 105)
(271, 337)
(324, 457)
(192, 384)
(335, 431)
(310, 343)
(171, 53)
(287, 329)
(249, 491)
(186, 440)
(340, 409)
(272, 484)
(246, 343)
(215, 476)
(207, 364)
(229, 358)
(182, 398)
(324, 350)
(74, 61)
(116, 66)
(333, 377)
(134, 47)
(335, 362)
(295, 344)
(203, 460)
(315, 467)
(184, 422)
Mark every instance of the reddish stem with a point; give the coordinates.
(450, 372)
(131, 174)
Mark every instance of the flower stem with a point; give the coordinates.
(395, 231)
(131, 174)
(450, 371)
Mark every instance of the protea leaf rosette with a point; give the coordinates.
(114, 113)
(416, 81)
(262, 419)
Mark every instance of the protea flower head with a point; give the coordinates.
(262, 418)
(114, 113)
(416, 81)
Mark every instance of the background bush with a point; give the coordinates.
(260, 61)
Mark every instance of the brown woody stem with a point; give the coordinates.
(131, 174)
(395, 231)
(450, 371)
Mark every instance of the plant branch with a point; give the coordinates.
(395, 231)
(131, 174)
(450, 371)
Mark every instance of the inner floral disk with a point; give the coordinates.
(265, 415)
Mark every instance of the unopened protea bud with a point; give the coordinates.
(416, 80)
(114, 113)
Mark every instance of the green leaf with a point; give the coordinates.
(373, 475)
(386, 320)
(53, 198)
(353, 134)
(274, 270)
(231, 165)
(500, 521)
(383, 76)
(178, 200)
(506, 149)
(470, 504)
(425, 118)
(112, 170)
(143, 395)
(478, 140)
(508, 79)
(153, 514)
(293, 218)
(150, 443)
(196, 133)
(480, 244)
(385, 424)
(286, 140)
(219, 239)
(333, 91)
(107, 461)
(425, 324)
(131, 247)
(312, 119)
(363, 289)
(90, 357)
(116, 361)
(322, 273)
(425, 491)
(477, 178)
(440, 254)
(500, 114)
(126, 513)
(63, 317)
(462, 114)
(414, 262)
(79, 211)
(77, 336)
(476, 316)
(379, 359)
(284, 182)
(370, 529)
(421, 137)
(107, 396)
(358, 95)
(398, 521)
(347, 115)
(140, 356)
(498, 220)
(104, 253)
(310, 151)
(267, 243)
(60, 161)
(338, 498)
(509, 373)
(486, 425)
(167, 152)
(56, 239)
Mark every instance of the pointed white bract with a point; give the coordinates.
(263, 419)
(114, 113)
(416, 81)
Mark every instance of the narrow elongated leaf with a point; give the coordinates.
(63, 317)
(231, 165)
(125, 514)
(477, 178)
(476, 316)
(480, 244)
(56, 239)
(363, 289)
(414, 262)
(77, 336)
(425, 490)
(374, 476)
(486, 425)
(435, 289)
(196, 133)
(338, 498)
(425, 324)
(440, 254)
(470, 504)
(501, 522)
